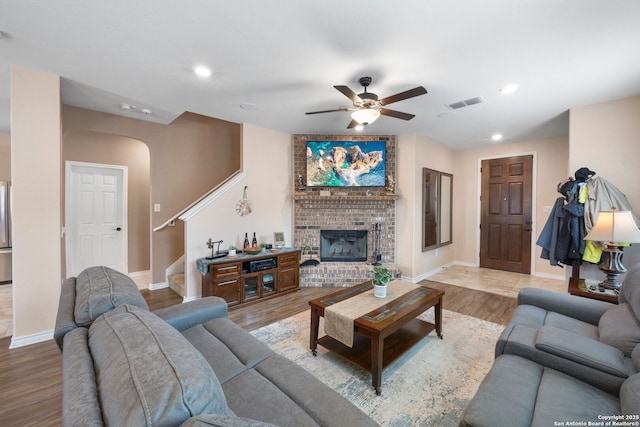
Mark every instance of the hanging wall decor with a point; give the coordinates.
(243, 207)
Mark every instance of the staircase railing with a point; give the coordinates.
(203, 201)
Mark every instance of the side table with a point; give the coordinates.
(577, 286)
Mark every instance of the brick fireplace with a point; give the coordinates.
(343, 208)
(344, 245)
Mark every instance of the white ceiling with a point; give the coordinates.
(285, 56)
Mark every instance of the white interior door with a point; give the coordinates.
(96, 216)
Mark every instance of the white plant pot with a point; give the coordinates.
(380, 291)
(232, 251)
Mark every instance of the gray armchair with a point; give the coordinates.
(588, 339)
(564, 358)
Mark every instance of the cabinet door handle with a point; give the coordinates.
(227, 283)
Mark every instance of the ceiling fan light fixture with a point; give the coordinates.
(202, 71)
(365, 116)
(359, 127)
(509, 88)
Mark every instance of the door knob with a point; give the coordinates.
(117, 229)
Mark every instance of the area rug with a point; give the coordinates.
(430, 385)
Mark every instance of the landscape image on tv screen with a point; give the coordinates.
(346, 163)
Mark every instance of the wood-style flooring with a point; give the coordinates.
(31, 376)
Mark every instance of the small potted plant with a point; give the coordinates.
(381, 278)
(232, 250)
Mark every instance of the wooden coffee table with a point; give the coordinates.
(384, 334)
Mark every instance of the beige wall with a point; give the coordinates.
(269, 188)
(415, 152)
(5, 156)
(93, 147)
(551, 157)
(189, 157)
(35, 158)
(606, 138)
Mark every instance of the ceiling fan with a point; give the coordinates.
(367, 107)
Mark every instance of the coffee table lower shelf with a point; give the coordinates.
(395, 345)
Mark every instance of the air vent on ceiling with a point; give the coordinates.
(466, 103)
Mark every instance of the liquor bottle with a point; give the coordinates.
(254, 242)
(246, 240)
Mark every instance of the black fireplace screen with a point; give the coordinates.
(343, 245)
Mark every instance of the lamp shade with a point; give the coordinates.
(614, 227)
(365, 116)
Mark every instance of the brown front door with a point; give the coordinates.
(505, 224)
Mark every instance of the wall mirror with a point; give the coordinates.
(437, 188)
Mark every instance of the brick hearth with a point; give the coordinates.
(345, 208)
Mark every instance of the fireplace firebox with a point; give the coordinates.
(343, 245)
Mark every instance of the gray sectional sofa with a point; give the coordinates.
(564, 358)
(185, 365)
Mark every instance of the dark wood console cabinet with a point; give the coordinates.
(233, 280)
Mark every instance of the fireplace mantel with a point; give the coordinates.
(301, 195)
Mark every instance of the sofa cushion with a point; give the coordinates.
(536, 317)
(229, 349)
(635, 357)
(101, 289)
(619, 328)
(148, 373)
(210, 420)
(251, 395)
(507, 394)
(579, 349)
(630, 395)
(562, 397)
(630, 291)
(519, 392)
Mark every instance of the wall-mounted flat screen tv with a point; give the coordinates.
(346, 163)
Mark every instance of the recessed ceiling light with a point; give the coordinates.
(202, 71)
(496, 136)
(510, 88)
(125, 106)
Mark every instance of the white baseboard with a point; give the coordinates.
(138, 273)
(155, 286)
(429, 273)
(464, 264)
(549, 276)
(30, 339)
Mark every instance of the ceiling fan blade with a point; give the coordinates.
(416, 91)
(349, 93)
(328, 111)
(352, 124)
(396, 114)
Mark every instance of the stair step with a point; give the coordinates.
(176, 283)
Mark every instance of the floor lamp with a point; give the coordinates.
(613, 229)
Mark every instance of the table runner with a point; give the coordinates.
(339, 317)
